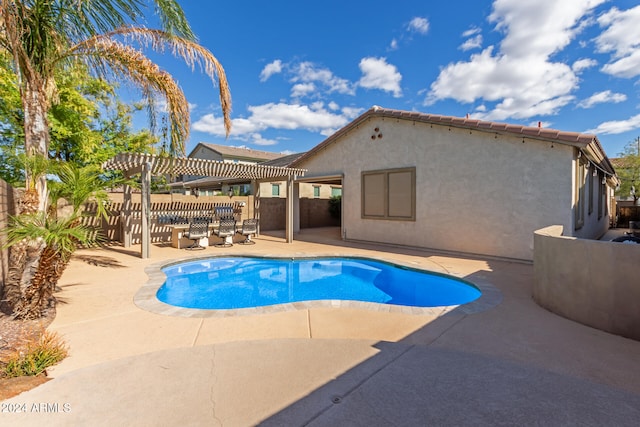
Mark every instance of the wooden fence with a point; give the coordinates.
(313, 213)
(160, 213)
(626, 214)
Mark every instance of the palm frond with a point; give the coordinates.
(173, 19)
(193, 54)
(125, 62)
(35, 166)
(62, 234)
(79, 185)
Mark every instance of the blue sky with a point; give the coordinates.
(300, 70)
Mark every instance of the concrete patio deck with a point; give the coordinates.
(510, 364)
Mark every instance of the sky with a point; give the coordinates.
(300, 70)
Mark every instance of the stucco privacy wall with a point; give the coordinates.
(477, 192)
(592, 282)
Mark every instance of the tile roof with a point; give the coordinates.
(284, 161)
(571, 138)
(241, 152)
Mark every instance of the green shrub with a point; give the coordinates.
(37, 356)
(335, 206)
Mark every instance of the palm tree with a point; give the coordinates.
(24, 253)
(43, 36)
(56, 239)
(79, 185)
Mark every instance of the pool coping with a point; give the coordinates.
(145, 298)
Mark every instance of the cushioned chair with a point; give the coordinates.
(226, 230)
(249, 227)
(198, 229)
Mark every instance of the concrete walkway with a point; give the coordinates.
(513, 364)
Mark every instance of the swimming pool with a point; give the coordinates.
(242, 282)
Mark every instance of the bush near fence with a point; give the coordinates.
(626, 214)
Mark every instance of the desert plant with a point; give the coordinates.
(56, 239)
(36, 356)
(335, 206)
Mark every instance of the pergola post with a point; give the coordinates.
(145, 210)
(125, 217)
(289, 210)
(255, 190)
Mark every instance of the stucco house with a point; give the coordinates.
(210, 185)
(462, 185)
(272, 189)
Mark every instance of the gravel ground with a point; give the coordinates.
(14, 335)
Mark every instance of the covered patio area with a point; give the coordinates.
(148, 165)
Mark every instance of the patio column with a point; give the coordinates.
(289, 210)
(145, 208)
(296, 207)
(255, 190)
(125, 216)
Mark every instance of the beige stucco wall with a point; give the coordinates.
(593, 282)
(477, 192)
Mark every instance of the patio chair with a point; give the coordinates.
(198, 229)
(226, 230)
(249, 227)
(224, 212)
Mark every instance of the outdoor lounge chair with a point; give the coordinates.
(226, 230)
(249, 227)
(198, 229)
(223, 212)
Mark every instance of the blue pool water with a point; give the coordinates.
(241, 282)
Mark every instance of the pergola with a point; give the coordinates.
(147, 165)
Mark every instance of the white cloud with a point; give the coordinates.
(583, 64)
(213, 125)
(270, 69)
(308, 72)
(471, 32)
(315, 118)
(419, 25)
(295, 116)
(302, 89)
(378, 74)
(602, 97)
(393, 45)
(622, 39)
(520, 77)
(539, 28)
(472, 43)
(258, 139)
(617, 126)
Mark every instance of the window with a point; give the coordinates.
(275, 189)
(316, 191)
(389, 194)
(336, 191)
